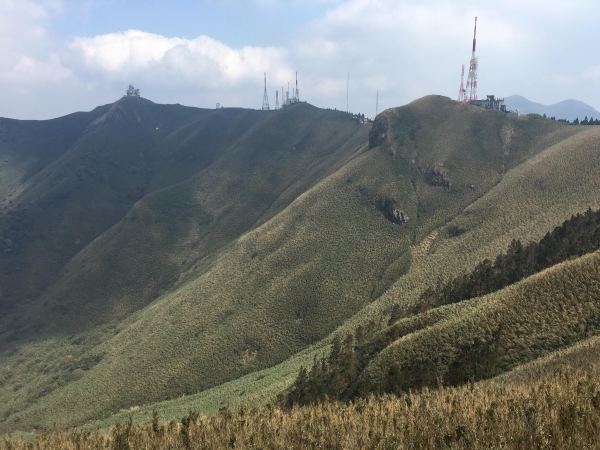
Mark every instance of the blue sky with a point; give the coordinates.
(237, 23)
(61, 56)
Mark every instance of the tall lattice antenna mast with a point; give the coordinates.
(472, 80)
(297, 94)
(265, 105)
(276, 99)
(377, 104)
(347, 92)
(462, 93)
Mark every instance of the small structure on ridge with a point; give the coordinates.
(491, 102)
(132, 92)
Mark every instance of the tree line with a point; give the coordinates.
(332, 376)
(585, 121)
(575, 237)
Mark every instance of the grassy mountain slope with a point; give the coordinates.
(167, 235)
(531, 199)
(495, 333)
(281, 287)
(375, 231)
(26, 147)
(30, 145)
(171, 231)
(102, 171)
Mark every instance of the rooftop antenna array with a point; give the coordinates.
(265, 105)
(472, 80)
(285, 96)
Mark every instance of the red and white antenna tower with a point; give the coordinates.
(472, 80)
(462, 92)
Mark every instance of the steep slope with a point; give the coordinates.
(167, 235)
(27, 146)
(32, 144)
(273, 246)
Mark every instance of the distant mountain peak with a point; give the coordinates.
(569, 109)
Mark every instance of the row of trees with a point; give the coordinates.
(331, 377)
(585, 121)
(575, 237)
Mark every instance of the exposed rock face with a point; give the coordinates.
(379, 132)
(389, 209)
(436, 178)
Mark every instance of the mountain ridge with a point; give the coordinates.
(305, 227)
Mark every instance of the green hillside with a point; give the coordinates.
(211, 262)
(530, 200)
(88, 185)
(171, 233)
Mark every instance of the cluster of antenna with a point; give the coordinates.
(286, 100)
(469, 92)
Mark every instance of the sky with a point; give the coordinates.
(63, 56)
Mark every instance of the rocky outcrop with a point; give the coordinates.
(389, 209)
(436, 178)
(379, 132)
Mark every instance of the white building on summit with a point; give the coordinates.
(132, 92)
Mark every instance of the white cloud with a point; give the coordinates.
(117, 51)
(30, 65)
(205, 60)
(29, 71)
(22, 28)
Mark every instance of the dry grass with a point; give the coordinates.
(551, 404)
